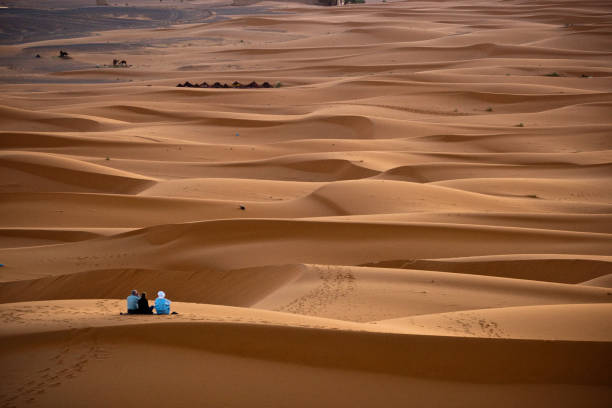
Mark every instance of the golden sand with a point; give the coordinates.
(419, 213)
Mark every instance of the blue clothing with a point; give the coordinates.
(132, 302)
(162, 306)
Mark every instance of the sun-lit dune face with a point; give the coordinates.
(391, 204)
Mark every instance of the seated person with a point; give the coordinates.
(162, 305)
(132, 302)
(143, 304)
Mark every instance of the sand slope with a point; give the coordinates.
(237, 339)
(417, 213)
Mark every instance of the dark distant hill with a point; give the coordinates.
(21, 25)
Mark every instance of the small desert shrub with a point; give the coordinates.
(520, 125)
(489, 109)
(278, 84)
(553, 74)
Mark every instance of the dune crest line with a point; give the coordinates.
(390, 203)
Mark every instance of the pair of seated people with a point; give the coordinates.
(140, 305)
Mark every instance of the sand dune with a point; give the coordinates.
(44, 172)
(548, 268)
(603, 281)
(560, 322)
(239, 243)
(20, 237)
(390, 196)
(450, 171)
(558, 221)
(417, 213)
(232, 189)
(551, 189)
(297, 344)
(338, 292)
(18, 119)
(222, 321)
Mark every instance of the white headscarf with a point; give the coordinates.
(161, 294)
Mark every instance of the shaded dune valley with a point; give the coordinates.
(415, 211)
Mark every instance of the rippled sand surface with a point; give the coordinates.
(418, 212)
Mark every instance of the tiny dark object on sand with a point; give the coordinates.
(63, 54)
(37, 56)
(242, 207)
(119, 64)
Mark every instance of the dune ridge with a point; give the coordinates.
(417, 213)
(224, 339)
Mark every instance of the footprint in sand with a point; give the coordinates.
(334, 284)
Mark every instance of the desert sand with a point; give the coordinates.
(418, 213)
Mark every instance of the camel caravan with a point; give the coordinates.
(235, 85)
